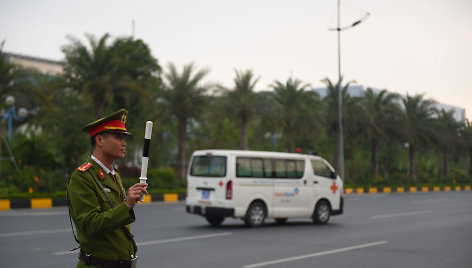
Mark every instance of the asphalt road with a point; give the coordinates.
(384, 230)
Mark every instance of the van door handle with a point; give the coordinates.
(304, 182)
(315, 182)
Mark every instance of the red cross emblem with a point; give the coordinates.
(220, 184)
(334, 187)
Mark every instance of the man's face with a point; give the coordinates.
(114, 145)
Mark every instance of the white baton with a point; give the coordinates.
(147, 143)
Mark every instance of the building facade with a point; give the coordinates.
(44, 66)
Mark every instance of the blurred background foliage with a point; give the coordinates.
(390, 140)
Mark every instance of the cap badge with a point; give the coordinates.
(123, 119)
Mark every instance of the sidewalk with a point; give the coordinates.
(40, 203)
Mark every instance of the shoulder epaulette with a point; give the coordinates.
(84, 167)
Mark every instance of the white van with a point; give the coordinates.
(254, 186)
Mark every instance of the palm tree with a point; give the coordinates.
(105, 71)
(90, 70)
(332, 113)
(242, 101)
(8, 73)
(417, 125)
(380, 117)
(446, 130)
(297, 109)
(184, 97)
(466, 140)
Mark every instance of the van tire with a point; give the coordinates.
(322, 212)
(215, 220)
(255, 215)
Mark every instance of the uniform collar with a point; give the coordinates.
(107, 171)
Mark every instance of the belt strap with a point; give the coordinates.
(127, 232)
(103, 263)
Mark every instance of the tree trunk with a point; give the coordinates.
(470, 164)
(244, 139)
(291, 142)
(336, 151)
(181, 154)
(388, 159)
(99, 105)
(375, 158)
(445, 172)
(1, 161)
(412, 163)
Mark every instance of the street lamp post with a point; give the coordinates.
(340, 99)
(274, 136)
(10, 101)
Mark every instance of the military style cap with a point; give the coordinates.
(114, 122)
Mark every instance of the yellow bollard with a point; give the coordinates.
(4, 204)
(41, 203)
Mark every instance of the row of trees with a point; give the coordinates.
(386, 135)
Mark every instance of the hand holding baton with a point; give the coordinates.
(147, 143)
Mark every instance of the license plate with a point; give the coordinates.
(205, 194)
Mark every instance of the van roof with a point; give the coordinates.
(254, 153)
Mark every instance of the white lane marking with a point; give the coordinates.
(66, 252)
(163, 241)
(426, 201)
(37, 232)
(334, 251)
(401, 214)
(172, 240)
(33, 213)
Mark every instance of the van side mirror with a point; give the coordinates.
(334, 175)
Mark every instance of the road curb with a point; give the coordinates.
(41, 203)
(412, 189)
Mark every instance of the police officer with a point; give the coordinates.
(99, 205)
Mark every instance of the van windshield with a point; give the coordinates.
(208, 166)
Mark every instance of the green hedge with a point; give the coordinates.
(57, 194)
(160, 181)
(404, 181)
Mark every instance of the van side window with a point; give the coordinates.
(321, 169)
(251, 167)
(291, 169)
(268, 170)
(257, 168)
(280, 168)
(243, 167)
(300, 168)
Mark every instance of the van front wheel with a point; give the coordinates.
(215, 220)
(255, 215)
(322, 212)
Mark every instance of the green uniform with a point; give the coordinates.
(99, 227)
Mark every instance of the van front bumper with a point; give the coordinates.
(341, 208)
(210, 211)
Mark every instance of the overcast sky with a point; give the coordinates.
(414, 46)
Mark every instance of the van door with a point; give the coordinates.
(325, 184)
(291, 190)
